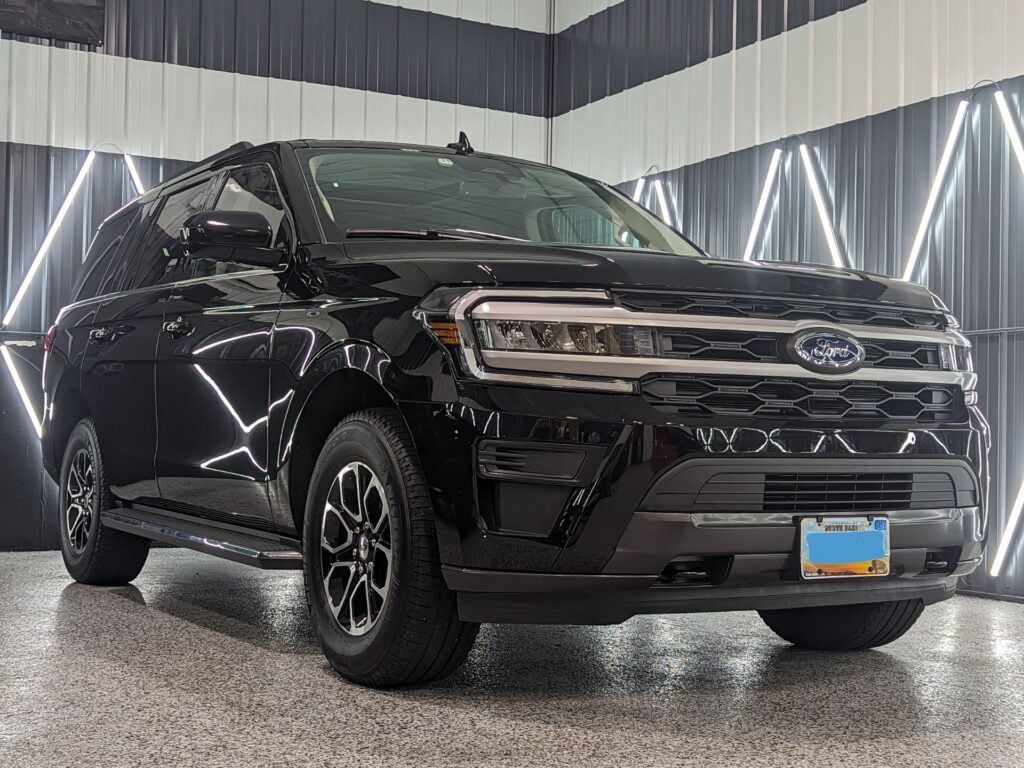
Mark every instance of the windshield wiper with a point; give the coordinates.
(429, 234)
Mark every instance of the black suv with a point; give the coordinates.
(458, 388)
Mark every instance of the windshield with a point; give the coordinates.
(381, 192)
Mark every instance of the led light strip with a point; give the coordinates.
(51, 233)
(37, 262)
(658, 186)
(1011, 128)
(1003, 549)
(819, 203)
(762, 203)
(22, 392)
(933, 194)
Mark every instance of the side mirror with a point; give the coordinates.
(242, 237)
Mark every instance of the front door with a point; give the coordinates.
(213, 372)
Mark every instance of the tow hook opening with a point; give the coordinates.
(695, 570)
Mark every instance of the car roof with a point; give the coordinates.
(397, 146)
(236, 151)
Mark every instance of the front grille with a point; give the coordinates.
(782, 309)
(811, 399)
(824, 493)
(747, 347)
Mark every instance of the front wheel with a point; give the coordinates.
(379, 604)
(844, 627)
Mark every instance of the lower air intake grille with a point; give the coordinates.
(857, 493)
(814, 493)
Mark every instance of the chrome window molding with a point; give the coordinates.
(619, 374)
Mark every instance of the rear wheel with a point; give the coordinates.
(844, 627)
(92, 554)
(381, 609)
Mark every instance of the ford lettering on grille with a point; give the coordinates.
(827, 351)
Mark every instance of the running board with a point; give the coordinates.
(231, 542)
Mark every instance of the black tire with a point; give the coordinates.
(844, 627)
(98, 555)
(417, 636)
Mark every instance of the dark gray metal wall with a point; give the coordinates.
(634, 42)
(351, 43)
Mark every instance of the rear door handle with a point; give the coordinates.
(178, 328)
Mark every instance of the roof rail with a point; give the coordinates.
(212, 159)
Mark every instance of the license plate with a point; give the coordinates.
(835, 547)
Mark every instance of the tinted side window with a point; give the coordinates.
(253, 188)
(161, 258)
(105, 260)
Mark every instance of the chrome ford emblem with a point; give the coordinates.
(826, 351)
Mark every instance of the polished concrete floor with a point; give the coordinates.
(206, 663)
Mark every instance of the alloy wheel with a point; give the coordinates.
(356, 548)
(79, 498)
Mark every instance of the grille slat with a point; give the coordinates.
(743, 346)
(810, 399)
(730, 305)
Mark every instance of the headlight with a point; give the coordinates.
(565, 338)
(956, 357)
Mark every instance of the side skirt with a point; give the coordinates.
(242, 545)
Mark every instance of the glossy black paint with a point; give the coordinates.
(213, 397)
(212, 393)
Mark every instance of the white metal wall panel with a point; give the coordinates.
(569, 12)
(164, 110)
(861, 62)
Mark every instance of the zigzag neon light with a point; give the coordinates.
(1003, 549)
(820, 205)
(37, 262)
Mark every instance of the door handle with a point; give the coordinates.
(101, 335)
(178, 328)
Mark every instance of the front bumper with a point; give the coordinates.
(724, 567)
(521, 598)
(528, 536)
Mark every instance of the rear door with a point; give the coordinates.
(212, 370)
(118, 374)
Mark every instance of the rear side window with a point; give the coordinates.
(160, 255)
(106, 260)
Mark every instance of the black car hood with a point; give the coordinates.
(515, 264)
